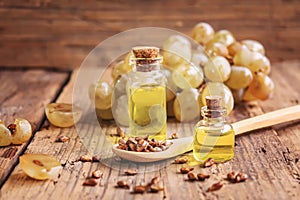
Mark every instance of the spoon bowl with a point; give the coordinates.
(178, 147)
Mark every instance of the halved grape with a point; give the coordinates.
(100, 94)
(254, 46)
(240, 77)
(217, 69)
(217, 88)
(187, 76)
(223, 36)
(5, 135)
(40, 166)
(63, 114)
(262, 86)
(203, 32)
(22, 131)
(186, 107)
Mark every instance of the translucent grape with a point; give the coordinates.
(171, 87)
(5, 135)
(262, 86)
(63, 114)
(203, 32)
(217, 69)
(254, 46)
(187, 76)
(100, 94)
(223, 36)
(105, 114)
(120, 68)
(177, 49)
(22, 132)
(261, 65)
(216, 49)
(186, 107)
(199, 59)
(234, 48)
(40, 166)
(217, 88)
(120, 110)
(238, 95)
(246, 57)
(240, 77)
(248, 96)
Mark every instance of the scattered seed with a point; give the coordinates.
(96, 158)
(90, 182)
(231, 176)
(154, 188)
(123, 184)
(181, 160)
(139, 189)
(154, 180)
(39, 163)
(215, 186)
(174, 136)
(185, 170)
(192, 176)
(209, 162)
(85, 158)
(202, 177)
(241, 177)
(97, 174)
(131, 172)
(62, 138)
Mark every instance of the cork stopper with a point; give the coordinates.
(213, 102)
(145, 52)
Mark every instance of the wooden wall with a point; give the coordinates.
(61, 33)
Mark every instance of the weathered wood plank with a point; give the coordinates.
(61, 34)
(270, 157)
(25, 94)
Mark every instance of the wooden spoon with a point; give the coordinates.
(183, 145)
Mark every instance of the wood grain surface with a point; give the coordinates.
(269, 156)
(62, 33)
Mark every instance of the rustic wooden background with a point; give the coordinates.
(61, 33)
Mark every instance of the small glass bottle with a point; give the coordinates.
(213, 136)
(146, 90)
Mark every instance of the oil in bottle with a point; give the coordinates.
(213, 136)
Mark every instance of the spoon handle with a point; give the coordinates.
(267, 119)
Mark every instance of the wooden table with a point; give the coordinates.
(42, 42)
(270, 156)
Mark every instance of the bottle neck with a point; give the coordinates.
(213, 117)
(146, 64)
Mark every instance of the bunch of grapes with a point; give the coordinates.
(217, 65)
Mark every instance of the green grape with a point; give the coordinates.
(199, 59)
(217, 69)
(217, 88)
(240, 77)
(234, 48)
(186, 107)
(171, 87)
(254, 46)
(119, 69)
(100, 94)
(246, 57)
(261, 65)
(262, 86)
(120, 110)
(203, 32)
(177, 49)
(223, 36)
(187, 76)
(216, 49)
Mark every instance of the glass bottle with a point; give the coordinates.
(213, 136)
(146, 90)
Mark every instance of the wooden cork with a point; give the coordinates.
(213, 102)
(145, 52)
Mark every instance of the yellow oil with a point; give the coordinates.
(213, 142)
(147, 111)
